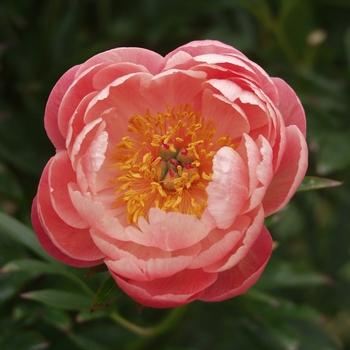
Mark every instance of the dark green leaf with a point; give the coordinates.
(85, 343)
(40, 267)
(315, 183)
(106, 295)
(58, 318)
(282, 274)
(22, 234)
(23, 340)
(60, 299)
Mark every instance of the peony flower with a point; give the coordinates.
(166, 167)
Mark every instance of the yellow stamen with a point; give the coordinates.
(161, 163)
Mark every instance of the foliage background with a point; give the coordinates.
(302, 301)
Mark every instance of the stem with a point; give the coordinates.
(144, 332)
(167, 323)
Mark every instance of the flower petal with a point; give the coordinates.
(168, 231)
(135, 262)
(242, 247)
(201, 47)
(152, 61)
(98, 215)
(73, 242)
(53, 105)
(50, 247)
(219, 243)
(290, 105)
(228, 117)
(242, 276)
(290, 173)
(173, 291)
(79, 88)
(58, 183)
(228, 190)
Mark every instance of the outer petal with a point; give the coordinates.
(58, 182)
(135, 262)
(290, 173)
(79, 88)
(243, 246)
(242, 276)
(73, 242)
(200, 47)
(290, 105)
(52, 106)
(149, 59)
(173, 291)
(48, 245)
(219, 243)
(152, 269)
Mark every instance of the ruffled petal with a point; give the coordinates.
(58, 183)
(259, 159)
(253, 107)
(290, 106)
(73, 242)
(219, 243)
(152, 61)
(168, 231)
(173, 291)
(50, 247)
(242, 276)
(228, 190)
(243, 246)
(201, 47)
(99, 216)
(290, 173)
(133, 261)
(53, 105)
(79, 88)
(228, 117)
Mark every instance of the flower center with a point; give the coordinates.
(165, 162)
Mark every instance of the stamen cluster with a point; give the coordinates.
(166, 162)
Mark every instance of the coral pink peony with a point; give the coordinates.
(166, 168)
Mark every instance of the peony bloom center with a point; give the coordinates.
(165, 161)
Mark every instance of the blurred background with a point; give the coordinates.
(302, 301)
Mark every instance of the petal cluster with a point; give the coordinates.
(167, 258)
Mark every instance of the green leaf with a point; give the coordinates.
(314, 183)
(283, 334)
(313, 336)
(271, 307)
(58, 318)
(23, 340)
(60, 299)
(32, 265)
(39, 267)
(106, 295)
(332, 154)
(22, 234)
(282, 274)
(85, 343)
